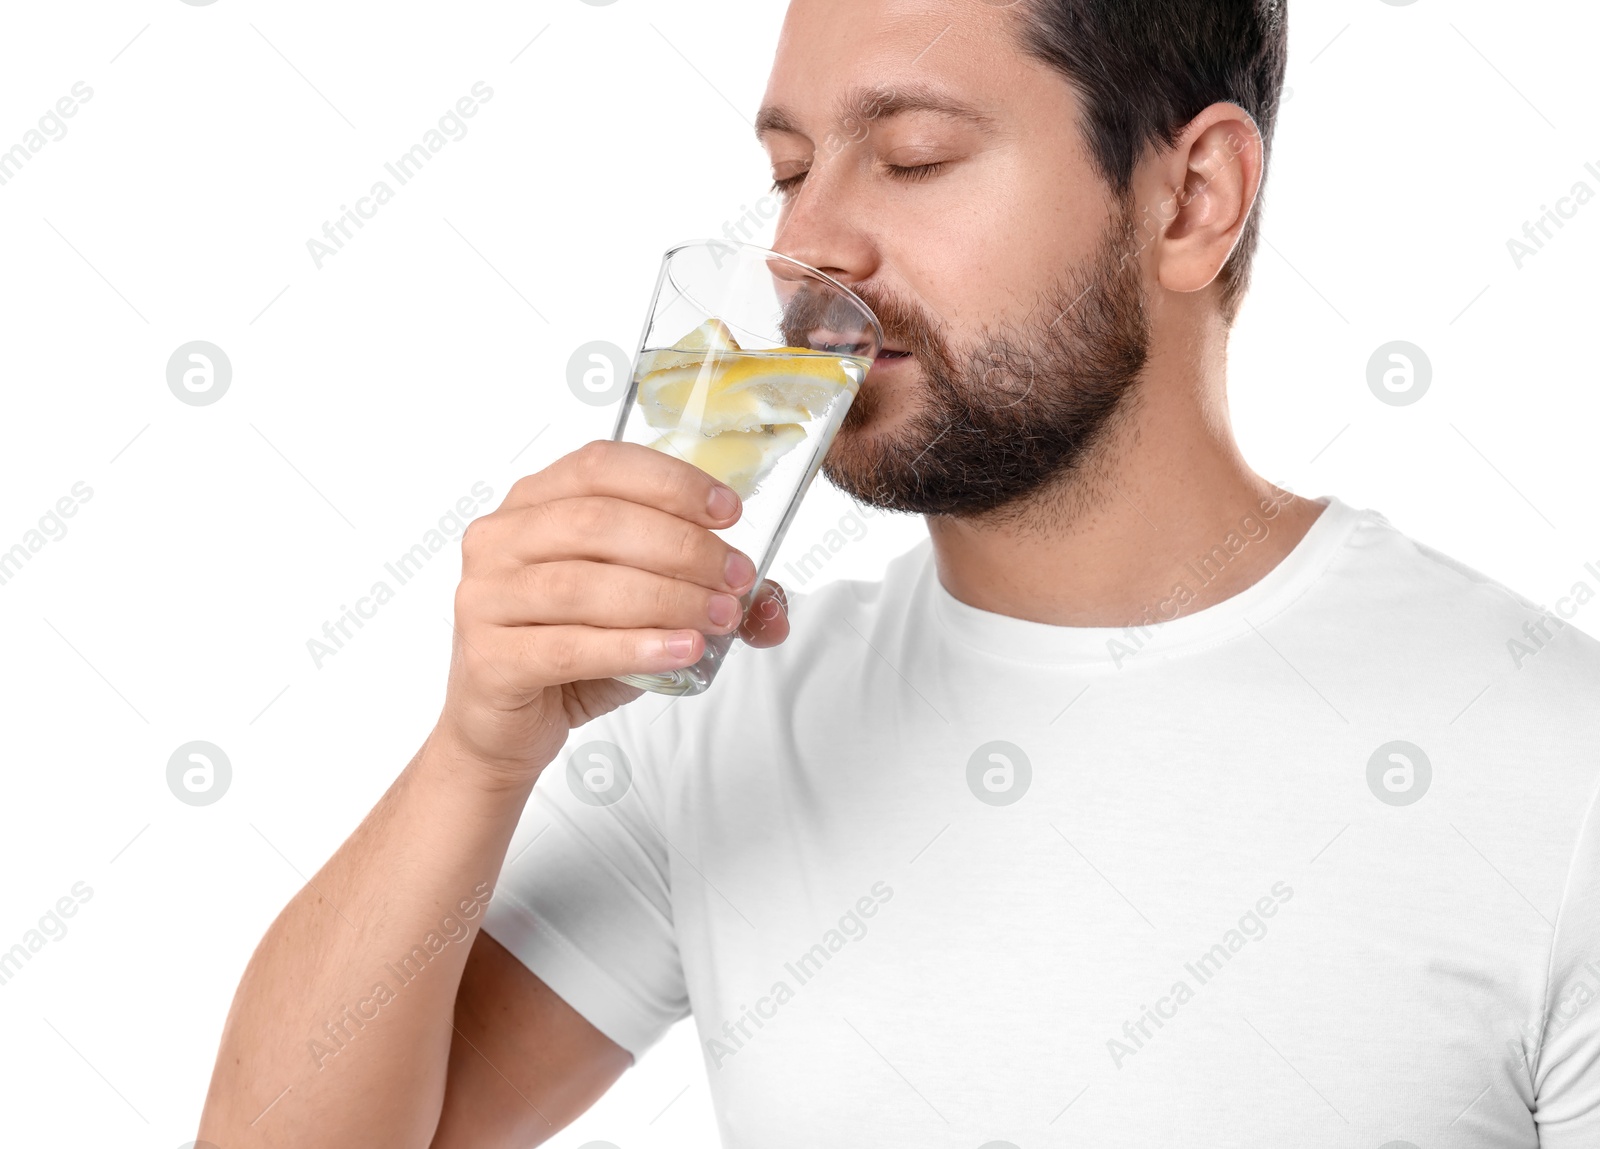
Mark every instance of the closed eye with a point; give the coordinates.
(914, 173)
(905, 174)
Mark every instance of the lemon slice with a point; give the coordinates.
(744, 391)
(712, 335)
(740, 459)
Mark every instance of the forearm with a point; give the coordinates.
(340, 1030)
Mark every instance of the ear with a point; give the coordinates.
(1203, 190)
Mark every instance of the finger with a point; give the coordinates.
(597, 595)
(766, 624)
(633, 472)
(608, 530)
(527, 659)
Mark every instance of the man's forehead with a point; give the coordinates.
(849, 17)
(904, 30)
(849, 61)
(864, 103)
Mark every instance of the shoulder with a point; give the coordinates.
(1508, 688)
(1423, 595)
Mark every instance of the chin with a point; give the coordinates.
(860, 451)
(880, 404)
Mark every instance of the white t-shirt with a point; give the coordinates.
(1318, 866)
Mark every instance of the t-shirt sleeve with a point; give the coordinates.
(583, 898)
(1567, 1071)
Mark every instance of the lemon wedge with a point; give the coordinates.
(743, 390)
(734, 412)
(712, 335)
(741, 459)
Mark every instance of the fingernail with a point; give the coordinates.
(723, 501)
(739, 571)
(680, 645)
(723, 609)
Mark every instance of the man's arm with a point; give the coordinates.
(1566, 1067)
(523, 1063)
(341, 1030)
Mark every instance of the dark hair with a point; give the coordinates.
(1145, 68)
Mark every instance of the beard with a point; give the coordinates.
(1008, 424)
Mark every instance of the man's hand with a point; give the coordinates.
(603, 563)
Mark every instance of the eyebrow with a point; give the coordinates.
(875, 103)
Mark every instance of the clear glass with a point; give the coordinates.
(748, 362)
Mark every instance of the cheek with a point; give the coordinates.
(954, 251)
(1057, 214)
(977, 250)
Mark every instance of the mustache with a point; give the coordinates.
(813, 315)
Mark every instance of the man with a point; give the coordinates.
(1144, 804)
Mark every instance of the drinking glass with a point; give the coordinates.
(748, 362)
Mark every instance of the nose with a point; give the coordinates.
(823, 224)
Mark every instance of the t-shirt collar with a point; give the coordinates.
(1115, 648)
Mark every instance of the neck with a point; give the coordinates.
(1163, 518)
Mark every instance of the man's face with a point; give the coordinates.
(934, 168)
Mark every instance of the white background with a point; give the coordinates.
(430, 353)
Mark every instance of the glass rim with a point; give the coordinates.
(743, 247)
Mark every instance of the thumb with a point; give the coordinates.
(767, 621)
